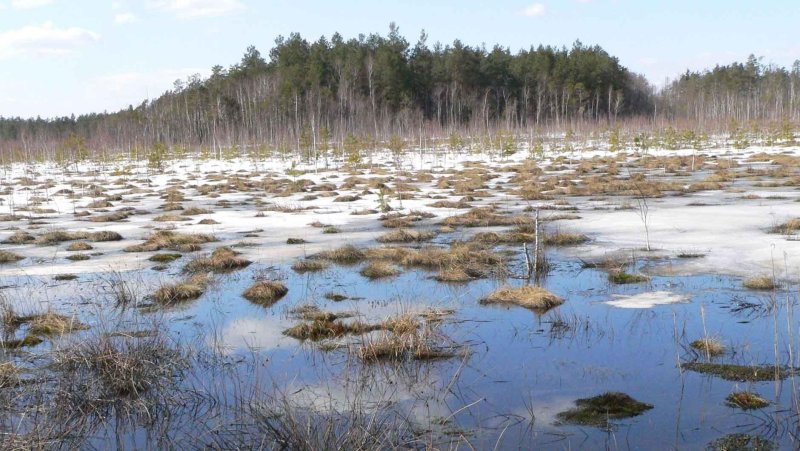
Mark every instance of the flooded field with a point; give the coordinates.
(577, 300)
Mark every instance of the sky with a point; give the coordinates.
(62, 57)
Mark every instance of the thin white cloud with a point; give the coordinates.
(125, 18)
(44, 40)
(29, 4)
(187, 9)
(535, 10)
(115, 91)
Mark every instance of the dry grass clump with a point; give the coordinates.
(59, 236)
(79, 246)
(78, 257)
(164, 258)
(168, 239)
(193, 211)
(208, 221)
(622, 278)
(406, 236)
(760, 283)
(103, 368)
(9, 257)
(310, 312)
(19, 237)
(746, 400)
(111, 217)
(307, 265)
(170, 218)
(323, 328)
(379, 270)
(709, 345)
(102, 236)
(346, 198)
(296, 241)
(404, 342)
(484, 217)
(53, 324)
(223, 259)
(265, 292)
(347, 254)
(187, 290)
(564, 239)
(787, 228)
(531, 297)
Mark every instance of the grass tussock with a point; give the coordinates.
(176, 241)
(484, 217)
(265, 292)
(709, 346)
(59, 236)
(787, 228)
(307, 265)
(19, 237)
(760, 283)
(379, 270)
(746, 400)
(565, 239)
(52, 324)
(79, 246)
(179, 292)
(164, 258)
(223, 259)
(325, 329)
(405, 343)
(599, 410)
(347, 255)
(9, 257)
(406, 236)
(531, 297)
(623, 278)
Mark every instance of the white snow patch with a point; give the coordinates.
(647, 300)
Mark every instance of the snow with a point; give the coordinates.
(646, 300)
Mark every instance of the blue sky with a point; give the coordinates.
(59, 57)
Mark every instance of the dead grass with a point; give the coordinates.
(564, 239)
(406, 342)
(379, 270)
(760, 283)
(9, 257)
(59, 236)
(406, 236)
(79, 246)
(324, 329)
(265, 292)
(19, 237)
(709, 346)
(347, 254)
(168, 239)
(307, 265)
(179, 292)
(223, 259)
(787, 228)
(484, 217)
(531, 297)
(52, 324)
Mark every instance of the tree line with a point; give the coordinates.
(309, 94)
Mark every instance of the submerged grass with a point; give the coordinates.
(746, 400)
(739, 373)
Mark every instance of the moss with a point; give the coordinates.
(746, 400)
(740, 442)
(740, 373)
(295, 241)
(535, 298)
(65, 277)
(599, 410)
(164, 258)
(622, 278)
(265, 292)
(330, 229)
(336, 297)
